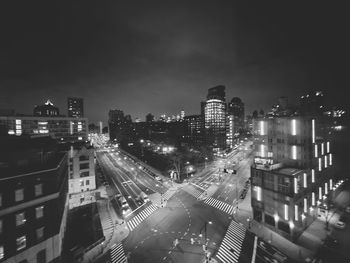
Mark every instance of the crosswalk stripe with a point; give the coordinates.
(233, 239)
(227, 208)
(117, 253)
(135, 221)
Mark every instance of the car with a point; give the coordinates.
(347, 209)
(340, 225)
(158, 178)
(144, 197)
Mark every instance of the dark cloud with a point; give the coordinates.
(161, 56)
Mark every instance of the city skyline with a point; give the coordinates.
(126, 57)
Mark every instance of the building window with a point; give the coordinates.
(21, 242)
(294, 152)
(40, 233)
(81, 183)
(84, 166)
(38, 189)
(305, 205)
(20, 219)
(305, 180)
(316, 151)
(87, 182)
(286, 216)
(41, 256)
(19, 196)
(312, 175)
(327, 147)
(39, 212)
(2, 254)
(294, 127)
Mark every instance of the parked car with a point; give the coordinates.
(340, 225)
(144, 197)
(158, 178)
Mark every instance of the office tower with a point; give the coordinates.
(120, 126)
(293, 174)
(46, 110)
(215, 118)
(235, 120)
(194, 129)
(75, 107)
(33, 200)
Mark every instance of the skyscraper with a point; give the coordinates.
(235, 120)
(215, 118)
(75, 107)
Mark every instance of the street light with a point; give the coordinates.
(142, 154)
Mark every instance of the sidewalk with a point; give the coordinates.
(292, 250)
(114, 230)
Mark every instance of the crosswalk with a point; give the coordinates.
(168, 194)
(193, 191)
(136, 220)
(219, 205)
(231, 245)
(117, 253)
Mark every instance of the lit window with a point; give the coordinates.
(325, 161)
(325, 188)
(39, 212)
(295, 185)
(316, 150)
(262, 126)
(330, 159)
(305, 205)
(312, 175)
(313, 198)
(21, 242)
(313, 130)
(20, 219)
(328, 147)
(320, 193)
(40, 233)
(257, 189)
(322, 148)
(38, 189)
(330, 183)
(319, 164)
(19, 195)
(296, 208)
(294, 152)
(286, 216)
(294, 127)
(305, 180)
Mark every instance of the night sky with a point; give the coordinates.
(162, 56)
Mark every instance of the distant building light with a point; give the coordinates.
(296, 212)
(328, 147)
(11, 132)
(320, 193)
(305, 180)
(295, 185)
(325, 161)
(294, 127)
(330, 159)
(322, 148)
(305, 205)
(313, 198)
(80, 138)
(313, 130)
(262, 126)
(286, 216)
(316, 151)
(319, 164)
(294, 152)
(312, 175)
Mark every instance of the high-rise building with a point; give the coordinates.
(120, 126)
(292, 175)
(312, 103)
(215, 118)
(235, 120)
(33, 200)
(194, 129)
(46, 110)
(149, 117)
(75, 107)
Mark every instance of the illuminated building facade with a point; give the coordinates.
(194, 129)
(235, 120)
(293, 173)
(46, 110)
(82, 180)
(33, 200)
(75, 107)
(64, 129)
(215, 118)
